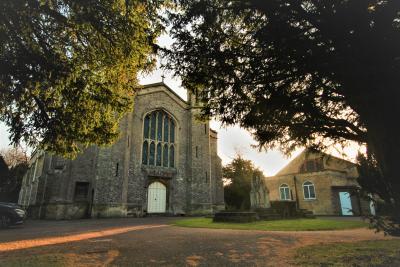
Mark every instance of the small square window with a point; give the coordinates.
(81, 191)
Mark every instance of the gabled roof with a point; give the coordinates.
(167, 87)
(162, 84)
(307, 154)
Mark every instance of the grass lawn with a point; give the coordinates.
(277, 225)
(365, 253)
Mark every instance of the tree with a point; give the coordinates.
(68, 69)
(239, 173)
(13, 166)
(4, 171)
(298, 73)
(14, 156)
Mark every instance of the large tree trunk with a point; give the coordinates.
(384, 145)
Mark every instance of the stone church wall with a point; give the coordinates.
(217, 185)
(140, 176)
(112, 182)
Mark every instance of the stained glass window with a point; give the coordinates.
(159, 126)
(146, 127)
(152, 151)
(165, 155)
(159, 154)
(172, 156)
(166, 126)
(145, 152)
(158, 137)
(172, 132)
(153, 127)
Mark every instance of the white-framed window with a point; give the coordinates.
(284, 192)
(158, 140)
(309, 190)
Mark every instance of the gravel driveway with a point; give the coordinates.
(153, 242)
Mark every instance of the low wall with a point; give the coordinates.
(110, 211)
(285, 209)
(59, 211)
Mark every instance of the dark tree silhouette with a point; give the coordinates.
(4, 172)
(298, 72)
(11, 176)
(68, 68)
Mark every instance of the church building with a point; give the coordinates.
(165, 162)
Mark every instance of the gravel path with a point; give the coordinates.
(151, 242)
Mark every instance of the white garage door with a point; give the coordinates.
(156, 198)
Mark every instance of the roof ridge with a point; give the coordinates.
(166, 86)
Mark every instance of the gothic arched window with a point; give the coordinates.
(171, 156)
(152, 153)
(159, 154)
(158, 139)
(165, 155)
(145, 152)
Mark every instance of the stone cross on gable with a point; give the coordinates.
(162, 77)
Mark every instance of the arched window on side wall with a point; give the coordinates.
(284, 192)
(158, 139)
(309, 190)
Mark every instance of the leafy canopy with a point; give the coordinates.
(239, 173)
(68, 69)
(298, 73)
(293, 72)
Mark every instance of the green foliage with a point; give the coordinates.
(69, 68)
(363, 253)
(298, 73)
(278, 225)
(240, 173)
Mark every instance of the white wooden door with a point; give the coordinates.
(345, 203)
(156, 198)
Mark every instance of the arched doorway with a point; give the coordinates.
(156, 198)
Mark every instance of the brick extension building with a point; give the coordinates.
(165, 161)
(320, 183)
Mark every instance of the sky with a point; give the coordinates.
(232, 140)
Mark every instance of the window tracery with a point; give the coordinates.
(158, 140)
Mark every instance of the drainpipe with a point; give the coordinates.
(295, 190)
